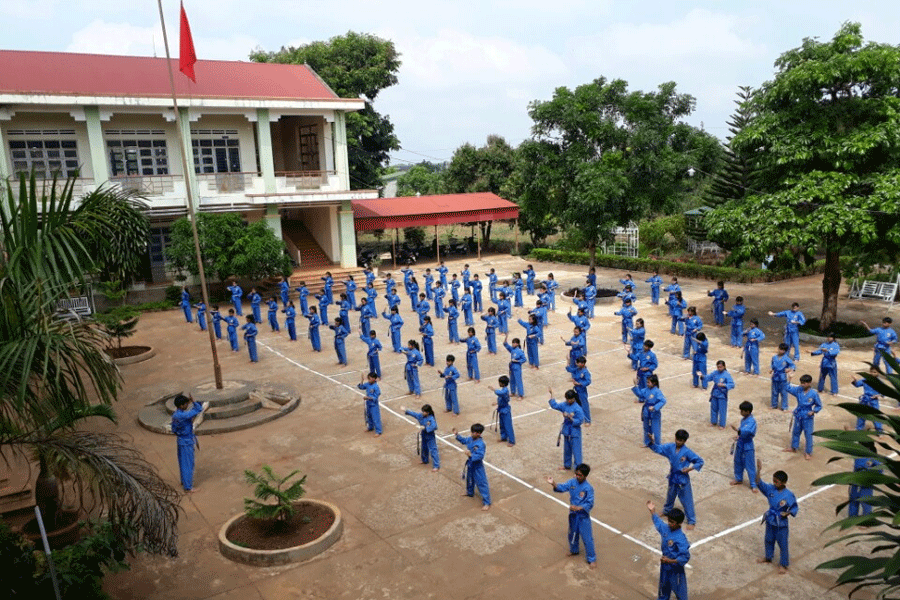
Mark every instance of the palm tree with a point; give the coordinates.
(54, 373)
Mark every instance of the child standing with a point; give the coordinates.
(581, 501)
(627, 313)
(372, 354)
(647, 364)
(250, 332)
(655, 282)
(803, 419)
(532, 335)
(236, 294)
(581, 379)
(782, 504)
(396, 325)
(473, 347)
(255, 300)
(411, 369)
(698, 360)
(754, 336)
(303, 295)
(231, 324)
(782, 366)
(450, 374)
(466, 306)
(794, 320)
(217, 321)
(677, 305)
(373, 411)
(273, 313)
(692, 325)
(452, 319)
(340, 334)
(869, 398)
(743, 449)
(736, 314)
(427, 429)
(886, 336)
(529, 279)
(516, 360)
(682, 460)
(183, 428)
(201, 314)
(313, 331)
(718, 398)
(504, 412)
(290, 316)
(651, 416)
(490, 330)
(570, 431)
(473, 472)
(828, 367)
(720, 297)
(675, 553)
(186, 304)
(427, 331)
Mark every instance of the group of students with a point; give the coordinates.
(575, 407)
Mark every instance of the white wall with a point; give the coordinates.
(322, 223)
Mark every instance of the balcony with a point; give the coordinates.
(147, 185)
(228, 183)
(299, 181)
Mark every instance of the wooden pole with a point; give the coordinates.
(478, 232)
(394, 241)
(437, 245)
(517, 236)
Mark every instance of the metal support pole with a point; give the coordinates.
(517, 236)
(437, 245)
(394, 241)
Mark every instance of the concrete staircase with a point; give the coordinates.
(311, 255)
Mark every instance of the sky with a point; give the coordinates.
(470, 69)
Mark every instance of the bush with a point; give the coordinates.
(840, 329)
(663, 233)
(414, 236)
(173, 294)
(268, 485)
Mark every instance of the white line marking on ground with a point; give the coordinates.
(629, 388)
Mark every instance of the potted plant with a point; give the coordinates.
(120, 323)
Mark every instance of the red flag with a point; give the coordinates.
(187, 57)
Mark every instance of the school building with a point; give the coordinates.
(268, 141)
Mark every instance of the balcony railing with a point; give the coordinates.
(147, 185)
(304, 180)
(226, 183)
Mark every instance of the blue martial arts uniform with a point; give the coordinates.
(373, 411)
(473, 347)
(451, 398)
(720, 297)
(429, 448)
(303, 295)
(327, 288)
(671, 290)
(638, 335)
(442, 275)
(290, 317)
(392, 300)
(692, 325)
(736, 314)
(429, 285)
(869, 397)
(323, 307)
(504, 416)
(780, 366)
(340, 334)
(590, 298)
(698, 362)
(422, 309)
(313, 332)
(807, 402)
(529, 281)
(344, 313)
(517, 295)
(676, 310)
(581, 379)
(395, 328)
(250, 332)
(782, 504)
(465, 274)
(217, 323)
(754, 336)
(466, 306)
(231, 324)
(504, 313)
(454, 290)
(516, 360)
(652, 400)
(183, 428)
(476, 286)
(551, 286)
(452, 328)
(285, 289)
(490, 332)
(672, 579)
(794, 319)
(186, 306)
(721, 381)
(492, 286)
(375, 347)
(438, 295)
(236, 294)
(647, 364)
(627, 313)
(885, 337)
(532, 337)
(828, 366)
(859, 493)
(427, 331)
(273, 314)
(679, 482)
(411, 370)
(576, 348)
(570, 431)
(582, 323)
(350, 289)
(655, 282)
(745, 451)
(581, 495)
(201, 315)
(473, 472)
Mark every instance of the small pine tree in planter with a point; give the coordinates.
(268, 485)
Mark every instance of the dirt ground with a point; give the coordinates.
(410, 534)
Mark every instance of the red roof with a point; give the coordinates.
(447, 209)
(62, 73)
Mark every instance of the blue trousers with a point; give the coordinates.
(292, 330)
(503, 323)
(688, 346)
(190, 317)
(861, 423)
(451, 399)
(672, 580)
(583, 401)
(428, 348)
(315, 340)
(412, 380)
(737, 328)
(375, 365)
(452, 331)
(201, 319)
(531, 348)
(476, 302)
(684, 493)
(529, 286)
(718, 411)
(251, 346)
(341, 351)
(830, 373)
(777, 535)
(257, 315)
(273, 321)
(518, 298)
(624, 332)
(779, 392)
(804, 424)
(396, 342)
(490, 339)
(506, 427)
(876, 361)
(323, 314)
(719, 313)
(186, 465)
(365, 327)
(516, 387)
(373, 416)
(238, 309)
(553, 301)
(429, 448)
(475, 476)
(654, 294)
(233, 339)
(792, 339)
(652, 424)
(284, 298)
(745, 459)
(698, 364)
(217, 328)
(751, 359)
(472, 366)
(571, 450)
(858, 494)
(580, 530)
(677, 326)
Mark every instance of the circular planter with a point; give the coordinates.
(844, 342)
(67, 532)
(598, 301)
(270, 558)
(134, 354)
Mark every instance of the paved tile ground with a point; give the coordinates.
(410, 534)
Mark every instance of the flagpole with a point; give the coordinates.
(188, 182)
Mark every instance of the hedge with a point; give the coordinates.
(681, 269)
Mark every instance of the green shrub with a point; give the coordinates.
(173, 294)
(268, 485)
(414, 236)
(663, 233)
(840, 329)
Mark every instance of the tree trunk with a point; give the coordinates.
(485, 233)
(592, 251)
(831, 285)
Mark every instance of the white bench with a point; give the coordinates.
(875, 290)
(79, 305)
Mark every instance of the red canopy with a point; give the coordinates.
(416, 211)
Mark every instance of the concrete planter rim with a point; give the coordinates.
(130, 360)
(283, 556)
(844, 342)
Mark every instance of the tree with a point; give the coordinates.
(601, 157)
(484, 169)
(119, 258)
(229, 247)
(825, 134)
(425, 178)
(353, 65)
(529, 184)
(52, 372)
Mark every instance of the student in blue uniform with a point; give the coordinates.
(454, 288)
(411, 369)
(236, 294)
(323, 307)
(492, 285)
(575, 344)
(389, 284)
(581, 501)
(186, 304)
(743, 447)
(518, 284)
(427, 331)
(369, 274)
(303, 295)
(438, 294)
(754, 336)
(422, 308)
(808, 404)
(682, 460)
(466, 275)
(516, 360)
(250, 332)
(366, 314)
(532, 338)
(793, 320)
(413, 290)
(350, 289)
(466, 308)
(344, 310)
(677, 305)
(530, 275)
(581, 379)
(475, 286)
(736, 314)
(551, 285)
(186, 409)
(395, 328)
(720, 297)
(290, 316)
(655, 282)
(285, 288)
(428, 283)
(473, 472)
(327, 288)
(721, 381)
(371, 294)
(340, 334)
(393, 299)
(692, 324)
(627, 294)
(638, 334)
(201, 314)
(450, 374)
(570, 431)
(273, 313)
(373, 410)
(869, 397)
(590, 298)
(504, 312)
(828, 367)
(652, 401)
(504, 412)
(442, 274)
(885, 338)
(372, 354)
(313, 332)
(580, 319)
(452, 320)
(698, 360)
(217, 321)
(647, 364)
(473, 347)
(490, 329)
(860, 493)
(427, 429)
(627, 313)
(231, 323)
(676, 552)
(782, 367)
(782, 505)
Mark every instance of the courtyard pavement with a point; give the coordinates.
(410, 534)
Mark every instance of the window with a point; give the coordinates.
(137, 152)
(45, 152)
(216, 150)
(309, 148)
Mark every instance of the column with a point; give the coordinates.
(96, 144)
(273, 219)
(190, 178)
(266, 160)
(341, 163)
(5, 165)
(347, 235)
